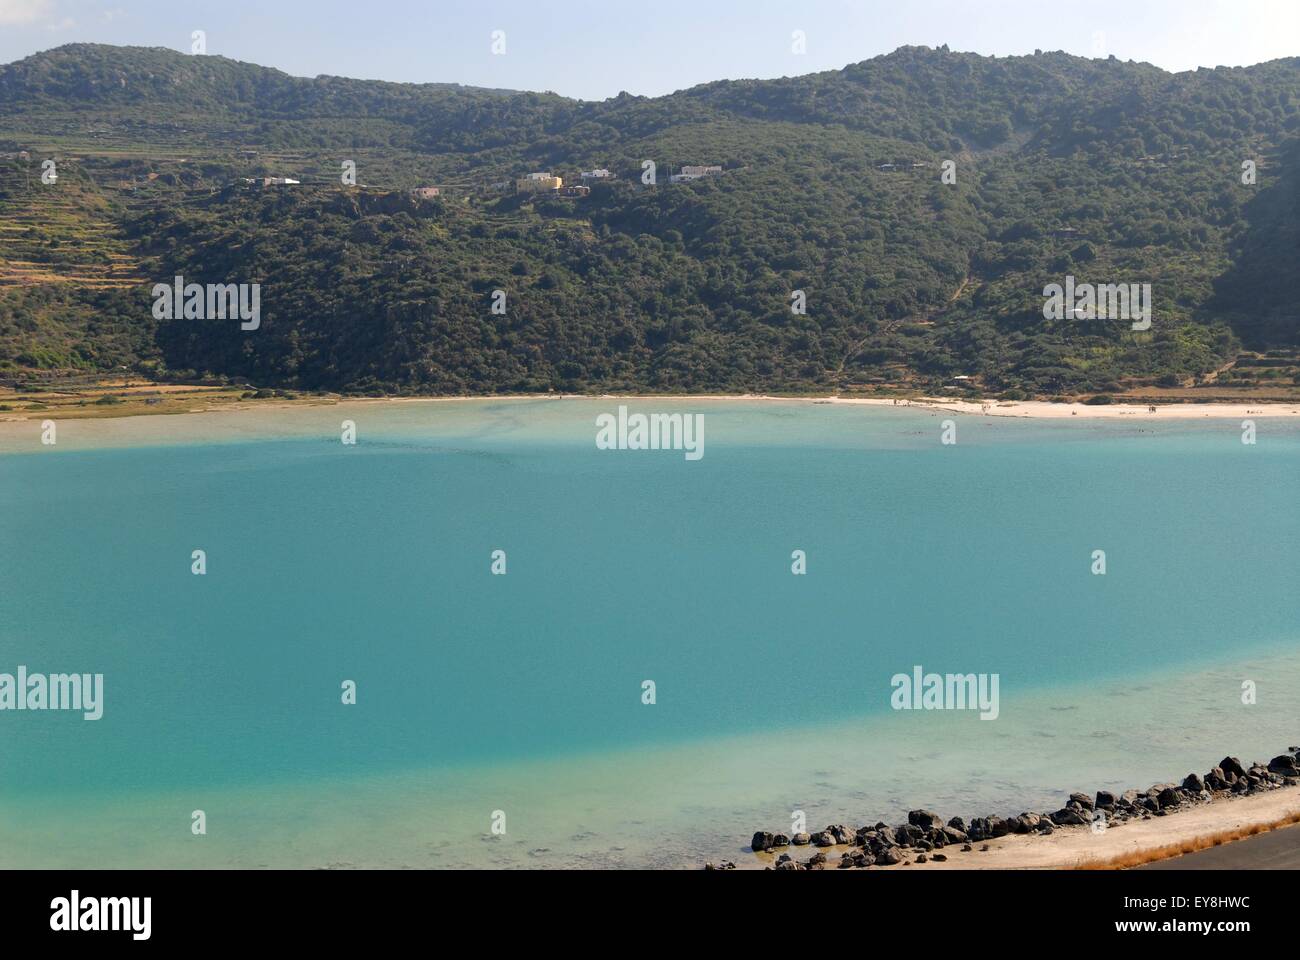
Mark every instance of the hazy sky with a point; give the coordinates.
(595, 48)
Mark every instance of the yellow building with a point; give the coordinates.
(538, 183)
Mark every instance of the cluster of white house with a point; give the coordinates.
(690, 173)
(271, 181)
(541, 182)
(545, 181)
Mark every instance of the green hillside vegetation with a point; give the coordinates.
(1111, 172)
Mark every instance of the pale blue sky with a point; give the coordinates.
(595, 48)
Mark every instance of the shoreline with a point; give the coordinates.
(1022, 409)
(1109, 831)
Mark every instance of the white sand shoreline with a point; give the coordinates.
(1034, 409)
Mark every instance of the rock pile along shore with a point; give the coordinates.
(926, 833)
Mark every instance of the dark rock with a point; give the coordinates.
(957, 823)
(1285, 765)
(789, 865)
(966, 848)
(1068, 817)
(1105, 800)
(1045, 826)
(925, 819)
(856, 858)
(907, 835)
(999, 827)
(939, 857)
(762, 841)
(841, 833)
(1082, 799)
(980, 828)
(1025, 823)
(801, 839)
(952, 834)
(888, 857)
(816, 861)
(1194, 783)
(1232, 768)
(823, 839)
(921, 858)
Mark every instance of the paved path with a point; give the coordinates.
(1275, 850)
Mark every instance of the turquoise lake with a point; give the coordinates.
(522, 693)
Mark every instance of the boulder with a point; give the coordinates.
(801, 839)
(952, 834)
(780, 840)
(841, 833)
(999, 827)
(907, 835)
(958, 823)
(1068, 817)
(939, 857)
(1022, 823)
(925, 819)
(1285, 765)
(1169, 797)
(789, 865)
(1105, 800)
(1232, 768)
(1192, 782)
(888, 857)
(1082, 799)
(761, 841)
(823, 839)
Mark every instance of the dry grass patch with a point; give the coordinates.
(1138, 857)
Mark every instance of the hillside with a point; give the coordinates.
(1107, 171)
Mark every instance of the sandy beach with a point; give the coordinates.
(178, 401)
(1046, 410)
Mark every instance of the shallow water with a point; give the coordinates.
(522, 693)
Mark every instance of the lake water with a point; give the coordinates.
(522, 693)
